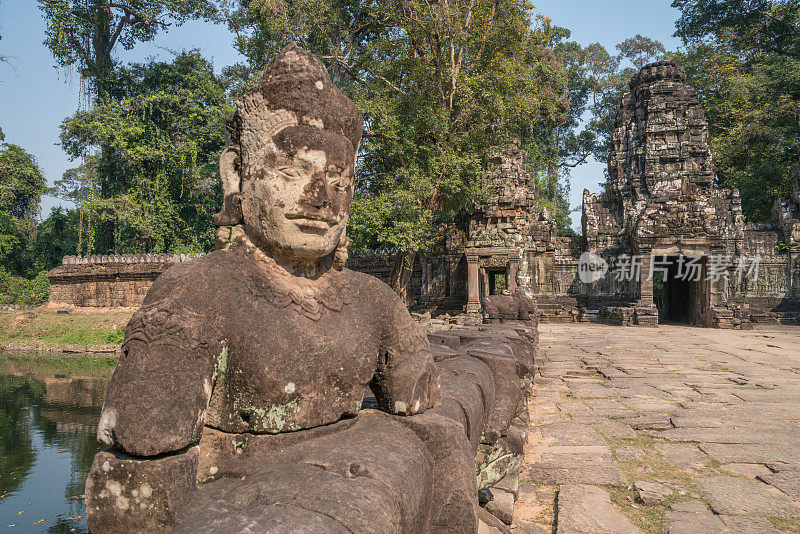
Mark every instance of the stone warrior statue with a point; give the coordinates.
(269, 333)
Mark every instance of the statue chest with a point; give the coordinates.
(282, 370)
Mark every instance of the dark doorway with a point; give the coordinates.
(498, 281)
(679, 289)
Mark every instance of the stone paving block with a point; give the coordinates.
(657, 421)
(569, 433)
(752, 453)
(787, 480)
(649, 404)
(694, 523)
(607, 408)
(574, 469)
(681, 421)
(738, 524)
(751, 471)
(682, 455)
(591, 391)
(737, 496)
(612, 429)
(501, 506)
(584, 509)
(624, 454)
(571, 449)
(651, 492)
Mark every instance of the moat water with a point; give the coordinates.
(49, 409)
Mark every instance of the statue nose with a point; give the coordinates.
(317, 191)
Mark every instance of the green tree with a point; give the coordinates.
(743, 57)
(79, 185)
(608, 76)
(21, 187)
(155, 184)
(440, 85)
(750, 26)
(21, 182)
(56, 237)
(84, 33)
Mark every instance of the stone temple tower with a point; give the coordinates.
(660, 202)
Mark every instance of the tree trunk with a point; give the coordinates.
(552, 178)
(101, 48)
(401, 273)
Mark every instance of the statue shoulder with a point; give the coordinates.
(197, 282)
(362, 283)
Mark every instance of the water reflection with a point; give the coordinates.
(49, 411)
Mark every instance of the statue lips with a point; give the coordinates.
(312, 222)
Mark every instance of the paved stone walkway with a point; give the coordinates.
(674, 429)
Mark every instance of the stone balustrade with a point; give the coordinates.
(103, 259)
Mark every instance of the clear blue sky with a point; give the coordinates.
(35, 96)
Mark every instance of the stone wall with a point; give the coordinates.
(108, 281)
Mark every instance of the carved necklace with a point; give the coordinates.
(306, 297)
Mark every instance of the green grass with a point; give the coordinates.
(54, 365)
(41, 326)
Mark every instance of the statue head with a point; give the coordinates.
(291, 158)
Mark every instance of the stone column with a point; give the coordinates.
(513, 268)
(473, 295)
(646, 282)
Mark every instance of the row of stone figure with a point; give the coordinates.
(128, 258)
(372, 474)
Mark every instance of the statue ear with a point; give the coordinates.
(231, 213)
(231, 180)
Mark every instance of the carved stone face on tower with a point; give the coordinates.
(296, 136)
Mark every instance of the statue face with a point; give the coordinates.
(297, 189)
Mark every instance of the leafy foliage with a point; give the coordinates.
(743, 57)
(21, 187)
(21, 182)
(24, 291)
(85, 32)
(155, 184)
(440, 86)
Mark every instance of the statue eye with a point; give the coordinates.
(289, 173)
(337, 180)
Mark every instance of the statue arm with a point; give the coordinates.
(157, 398)
(406, 381)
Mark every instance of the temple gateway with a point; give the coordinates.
(677, 248)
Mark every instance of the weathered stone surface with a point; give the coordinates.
(651, 492)
(501, 505)
(624, 454)
(586, 509)
(126, 494)
(748, 525)
(736, 496)
(569, 433)
(751, 471)
(787, 480)
(489, 524)
(679, 522)
(682, 454)
(500, 359)
(574, 469)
